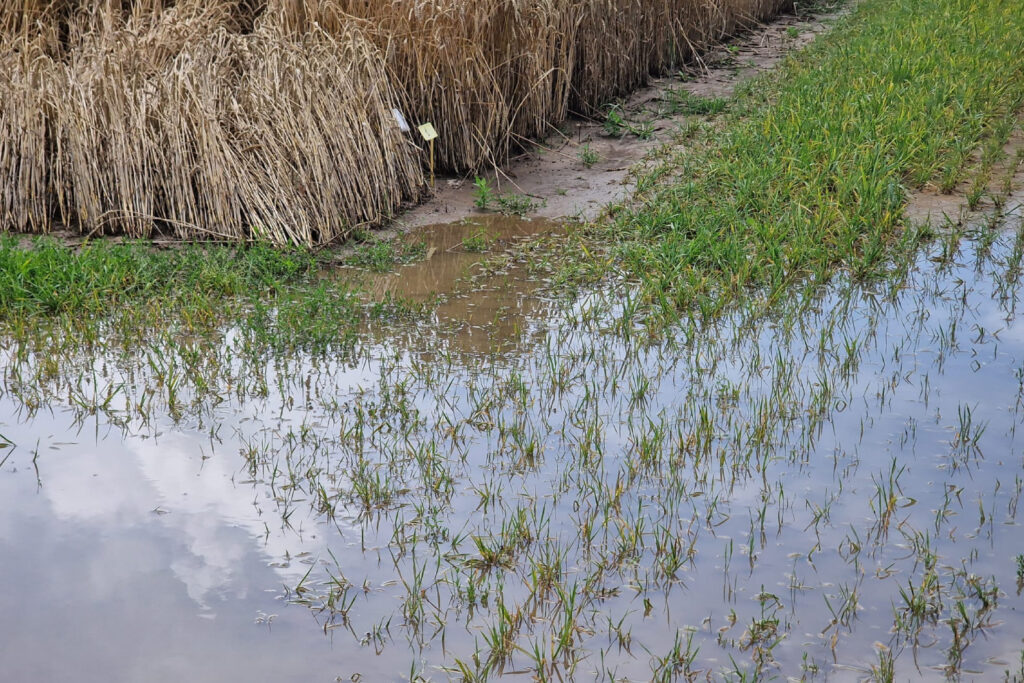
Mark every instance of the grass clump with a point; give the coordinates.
(588, 155)
(616, 124)
(815, 175)
(381, 256)
(54, 297)
(512, 204)
(681, 101)
(485, 198)
(477, 242)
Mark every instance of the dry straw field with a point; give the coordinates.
(272, 119)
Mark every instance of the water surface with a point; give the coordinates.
(805, 491)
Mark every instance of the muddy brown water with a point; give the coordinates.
(485, 296)
(451, 254)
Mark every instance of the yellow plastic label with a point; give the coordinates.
(428, 132)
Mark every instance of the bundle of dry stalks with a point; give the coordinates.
(272, 119)
(24, 162)
(436, 50)
(317, 142)
(174, 121)
(621, 43)
(531, 45)
(486, 73)
(489, 73)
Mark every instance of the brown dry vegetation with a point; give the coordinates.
(272, 119)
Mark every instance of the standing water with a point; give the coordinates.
(826, 490)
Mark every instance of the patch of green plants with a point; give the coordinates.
(812, 172)
(643, 130)
(47, 277)
(381, 256)
(512, 204)
(588, 155)
(483, 194)
(132, 293)
(681, 101)
(477, 241)
(509, 203)
(885, 670)
(616, 124)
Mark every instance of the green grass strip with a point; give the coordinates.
(55, 297)
(52, 278)
(814, 175)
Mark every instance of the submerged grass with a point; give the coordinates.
(382, 255)
(813, 170)
(572, 511)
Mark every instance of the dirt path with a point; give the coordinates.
(553, 174)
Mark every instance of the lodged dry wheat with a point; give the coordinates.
(273, 119)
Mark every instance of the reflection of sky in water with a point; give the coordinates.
(141, 561)
(165, 481)
(151, 558)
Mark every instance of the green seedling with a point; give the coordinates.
(477, 242)
(483, 194)
(588, 155)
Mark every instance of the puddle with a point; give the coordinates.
(806, 493)
(488, 297)
(134, 559)
(453, 252)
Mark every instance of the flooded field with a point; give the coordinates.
(532, 488)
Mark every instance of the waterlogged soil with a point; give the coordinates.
(562, 182)
(818, 490)
(455, 252)
(943, 210)
(474, 276)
